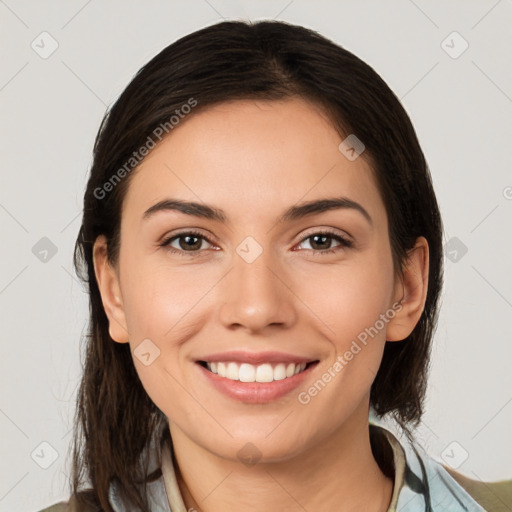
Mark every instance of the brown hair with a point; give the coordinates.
(115, 418)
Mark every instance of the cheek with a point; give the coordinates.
(161, 309)
(349, 298)
(157, 298)
(348, 302)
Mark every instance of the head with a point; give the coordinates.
(252, 120)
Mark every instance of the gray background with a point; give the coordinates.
(52, 107)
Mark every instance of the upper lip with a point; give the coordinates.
(255, 357)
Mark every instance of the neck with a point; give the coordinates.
(338, 473)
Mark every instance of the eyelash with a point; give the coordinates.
(344, 243)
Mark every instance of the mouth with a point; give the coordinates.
(261, 373)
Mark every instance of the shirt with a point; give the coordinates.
(421, 484)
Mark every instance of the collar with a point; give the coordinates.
(421, 484)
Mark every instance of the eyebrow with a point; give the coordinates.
(294, 212)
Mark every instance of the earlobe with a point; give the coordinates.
(108, 284)
(415, 285)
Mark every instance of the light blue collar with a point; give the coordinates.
(421, 483)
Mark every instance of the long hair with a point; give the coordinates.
(115, 418)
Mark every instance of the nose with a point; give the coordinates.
(256, 295)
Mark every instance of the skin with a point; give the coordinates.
(254, 159)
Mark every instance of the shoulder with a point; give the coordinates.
(493, 496)
(62, 506)
(447, 486)
(424, 483)
(82, 503)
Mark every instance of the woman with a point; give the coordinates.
(263, 250)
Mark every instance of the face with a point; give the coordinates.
(252, 288)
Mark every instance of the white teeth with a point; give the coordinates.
(247, 373)
(221, 369)
(264, 373)
(232, 371)
(250, 373)
(280, 372)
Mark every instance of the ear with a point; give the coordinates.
(108, 284)
(410, 292)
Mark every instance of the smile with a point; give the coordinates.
(245, 372)
(253, 391)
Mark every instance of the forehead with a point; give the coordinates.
(249, 156)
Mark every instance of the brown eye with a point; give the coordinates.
(321, 243)
(188, 241)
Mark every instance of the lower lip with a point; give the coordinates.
(256, 392)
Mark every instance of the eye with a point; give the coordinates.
(187, 241)
(321, 242)
(191, 242)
